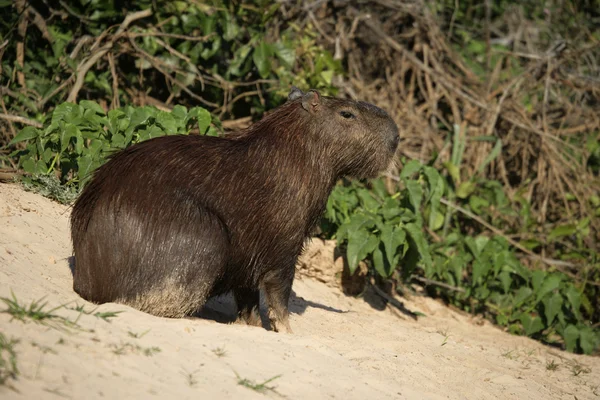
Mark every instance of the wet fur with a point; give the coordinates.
(172, 221)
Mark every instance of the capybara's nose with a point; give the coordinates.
(394, 136)
(395, 142)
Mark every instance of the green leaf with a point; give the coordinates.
(480, 269)
(417, 236)
(506, 280)
(235, 67)
(454, 172)
(436, 190)
(378, 263)
(531, 324)
(179, 112)
(392, 237)
(522, 294)
(551, 283)
(79, 142)
(26, 133)
(118, 141)
(570, 335)
(478, 203)
(327, 76)
(48, 155)
(588, 340)
(410, 168)
(465, 189)
(286, 54)
(84, 167)
(574, 298)
(62, 110)
(261, 57)
(537, 277)
(92, 105)
(231, 29)
(490, 157)
(140, 116)
(167, 121)
(562, 230)
(530, 243)
(95, 147)
(436, 221)
(69, 132)
(357, 222)
(360, 244)
(380, 190)
(552, 306)
(415, 194)
(367, 200)
(29, 165)
(202, 116)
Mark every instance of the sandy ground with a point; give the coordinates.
(342, 348)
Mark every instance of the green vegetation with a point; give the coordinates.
(258, 387)
(103, 315)
(36, 312)
(137, 335)
(219, 352)
(125, 348)
(500, 214)
(81, 137)
(190, 377)
(8, 359)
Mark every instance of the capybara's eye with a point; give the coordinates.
(347, 114)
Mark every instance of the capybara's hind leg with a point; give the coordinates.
(247, 301)
(278, 287)
(164, 262)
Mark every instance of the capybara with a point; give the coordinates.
(172, 221)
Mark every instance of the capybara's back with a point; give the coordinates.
(172, 221)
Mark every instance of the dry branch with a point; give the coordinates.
(85, 66)
(21, 120)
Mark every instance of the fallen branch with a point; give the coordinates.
(396, 303)
(437, 283)
(22, 120)
(8, 176)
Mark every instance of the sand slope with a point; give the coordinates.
(343, 348)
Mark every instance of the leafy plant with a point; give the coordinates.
(234, 59)
(80, 137)
(394, 233)
(36, 312)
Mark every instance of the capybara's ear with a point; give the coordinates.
(295, 93)
(311, 101)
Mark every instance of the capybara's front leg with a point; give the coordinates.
(278, 287)
(247, 301)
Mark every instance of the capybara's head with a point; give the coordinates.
(359, 138)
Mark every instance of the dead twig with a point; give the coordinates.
(395, 302)
(85, 66)
(40, 104)
(437, 283)
(115, 82)
(171, 35)
(21, 6)
(21, 120)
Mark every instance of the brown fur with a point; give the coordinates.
(172, 221)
